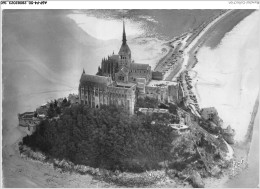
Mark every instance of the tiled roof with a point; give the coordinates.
(124, 70)
(124, 49)
(95, 79)
(114, 57)
(121, 84)
(137, 66)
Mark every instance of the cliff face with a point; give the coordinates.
(197, 152)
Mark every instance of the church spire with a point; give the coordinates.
(124, 35)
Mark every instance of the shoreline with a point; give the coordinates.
(242, 149)
(106, 178)
(191, 63)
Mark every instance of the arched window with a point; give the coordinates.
(121, 78)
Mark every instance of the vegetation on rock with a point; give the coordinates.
(107, 137)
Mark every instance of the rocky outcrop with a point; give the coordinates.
(228, 135)
(215, 171)
(196, 180)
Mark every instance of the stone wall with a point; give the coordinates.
(159, 93)
(28, 125)
(134, 74)
(97, 95)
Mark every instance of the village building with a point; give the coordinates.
(179, 128)
(28, 121)
(152, 110)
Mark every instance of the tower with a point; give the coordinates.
(124, 52)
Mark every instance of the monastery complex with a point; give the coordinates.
(120, 81)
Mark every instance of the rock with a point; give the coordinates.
(182, 175)
(196, 180)
(215, 171)
(229, 139)
(228, 135)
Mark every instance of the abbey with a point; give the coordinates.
(120, 67)
(120, 81)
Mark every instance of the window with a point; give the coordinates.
(82, 90)
(121, 78)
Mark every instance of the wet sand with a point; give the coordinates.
(225, 26)
(233, 68)
(249, 178)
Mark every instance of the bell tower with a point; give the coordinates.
(124, 52)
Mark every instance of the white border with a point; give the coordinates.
(235, 4)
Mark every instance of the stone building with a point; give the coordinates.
(164, 94)
(120, 67)
(120, 81)
(157, 75)
(100, 90)
(28, 122)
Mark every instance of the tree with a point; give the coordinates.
(51, 111)
(55, 104)
(106, 137)
(173, 109)
(65, 100)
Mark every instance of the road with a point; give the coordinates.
(170, 59)
(189, 60)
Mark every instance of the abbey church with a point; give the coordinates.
(119, 81)
(121, 68)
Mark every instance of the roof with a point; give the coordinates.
(209, 110)
(27, 114)
(157, 73)
(152, 110)
(114, 57)
(178, 126)
(121, 84)
(140, 85)
(137, 66)
(124, 49)
(95, 79)
(141, 80)
(124, 70)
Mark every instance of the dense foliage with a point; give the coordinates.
(55, 110)
(107, 137)
(147, 102)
